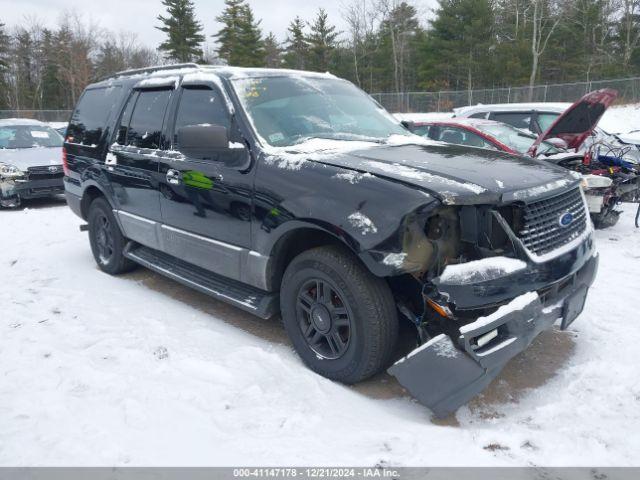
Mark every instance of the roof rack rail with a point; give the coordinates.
(156, 68)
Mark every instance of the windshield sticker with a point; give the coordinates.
(276, 137)
(39, 134)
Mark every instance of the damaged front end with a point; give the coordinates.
(33, 182)
(495, 278)
(11, 180)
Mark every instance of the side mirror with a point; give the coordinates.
(202, 140)
(407, 124)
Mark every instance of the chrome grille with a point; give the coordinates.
(541, 231)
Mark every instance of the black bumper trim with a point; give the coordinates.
(444, 376)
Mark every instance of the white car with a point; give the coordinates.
(30, 161)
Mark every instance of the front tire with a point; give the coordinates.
(341, 319)
(106, 239)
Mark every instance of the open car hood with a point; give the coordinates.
(578, 121)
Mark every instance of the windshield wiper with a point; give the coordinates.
(336, 136)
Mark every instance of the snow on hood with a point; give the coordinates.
(24, 158)
(293, 157)
(454, 174)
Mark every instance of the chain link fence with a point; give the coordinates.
(444, 101)
(410, 102)
(42, 115)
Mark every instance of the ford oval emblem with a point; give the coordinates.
(565, 219)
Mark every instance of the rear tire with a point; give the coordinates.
(106, 239)
(341, 319)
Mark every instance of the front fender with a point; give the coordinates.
(379, 219)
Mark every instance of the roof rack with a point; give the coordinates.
(157, 68)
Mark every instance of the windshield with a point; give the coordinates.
(287, 111)
(515, 139)
(29, 136)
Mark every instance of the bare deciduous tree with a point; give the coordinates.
(544, 23)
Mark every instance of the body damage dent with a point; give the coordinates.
(444, 381)
(8, 192)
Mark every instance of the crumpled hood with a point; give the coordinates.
(24, 158)
(458, 175)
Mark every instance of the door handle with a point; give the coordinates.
(173, 177)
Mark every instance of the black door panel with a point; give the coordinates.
(208, 196)
(132, 162)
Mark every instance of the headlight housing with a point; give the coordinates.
(595, 181)
(10, 171)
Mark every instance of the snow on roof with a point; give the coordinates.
(7, 122)
(511, 107)
(622, 119)
(423, 117)
(222, 70)
(159, 81)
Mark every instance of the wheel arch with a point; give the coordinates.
(300, 239)
(90, 193)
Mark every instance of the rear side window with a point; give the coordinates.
(145, 127)
(422, 130)
(460, 136)
(201, 105)
(516, 119)
(89, 120)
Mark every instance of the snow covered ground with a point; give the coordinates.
(137, 370)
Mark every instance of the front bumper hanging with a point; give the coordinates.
(445, 373)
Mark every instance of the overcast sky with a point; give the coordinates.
(140, 15)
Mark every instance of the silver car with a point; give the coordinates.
(30, 161)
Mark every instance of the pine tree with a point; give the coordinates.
(52, 96)
(240, 39)
(322, 42)
(460, 45)
(183, 31)
(272, 52)
(251, 38)
(296, 48)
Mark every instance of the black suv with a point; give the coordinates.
(294, 192)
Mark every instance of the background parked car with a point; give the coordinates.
(565, 134)
(30, 161)
(60, 127)
(538, 117)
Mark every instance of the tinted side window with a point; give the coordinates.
(201, 105)
(145, 128)
(479, 115)
(516, 119)
(89, 119)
